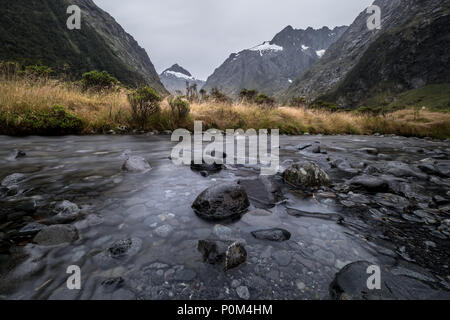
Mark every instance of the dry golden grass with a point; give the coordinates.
(108, 110)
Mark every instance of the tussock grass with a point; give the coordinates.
(103, 111)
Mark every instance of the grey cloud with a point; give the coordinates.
(201, 34)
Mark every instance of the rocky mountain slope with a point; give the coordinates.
(272, 66)
(365, 67)
(174, 79)
(36, 32)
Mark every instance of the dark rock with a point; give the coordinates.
(222, 201)
(371, 151)
(31, 229)
(124, 247)
(344, 166)
(112, 284)
(206, 168)
(263, 191)
(316, 149)
(56, 234)
(272, 234)
(306, 174)
(136, 164)
(369, 183)
(350, 283)
(431, 169)
(16, 154)
(228, 253)
(303, 146)
(440, 200)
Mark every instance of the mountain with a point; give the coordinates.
(271, 66)
(36, 32)
(410, 52)
(175, 78)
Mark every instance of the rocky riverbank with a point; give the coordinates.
(140, 227)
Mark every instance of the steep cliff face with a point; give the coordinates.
(272, 66)
(176, 77)
(36, 32)
(371, 67)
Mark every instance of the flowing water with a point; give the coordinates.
(154, 210)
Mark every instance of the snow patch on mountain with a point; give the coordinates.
(320, 53)
(179, 75)
(265, 47)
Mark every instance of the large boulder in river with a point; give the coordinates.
(136, 164)
(351, 284)
(230, 254)
(306, 174)
(222, 201)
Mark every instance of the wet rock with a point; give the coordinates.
(350, 283)
(205, 169)
(124, 247)
(31, 229)
(230, 254)
(112, 284)
(66, 212)
(243, 292)
(391, 201)
(303, 146)
(440, 200)
(56, 234)
(16, 154)
(222, 201)
(263, 192)
(136, 164)
(371, 151)
(316, 149)
(400, 169)
(12, 179)
(369, 183)
(164, 231)
(431, 169)
(306, 174)
(272, 234)
(344, 166)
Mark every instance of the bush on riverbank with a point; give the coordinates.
(110, 110)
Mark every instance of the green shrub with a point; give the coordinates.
(144, 103)
(39, 71)
(98, 80)
(264, 100)
(219, 97)
(298, 102)
(323, 105)
(248, 95)
(180, 108)
(373, 111)
(55, 121)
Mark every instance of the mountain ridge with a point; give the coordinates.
(270, 66)
(176, 78)
(372, 67)
(36, 32)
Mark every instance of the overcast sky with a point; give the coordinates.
(200, 34)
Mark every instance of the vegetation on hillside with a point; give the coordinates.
(47, 106)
